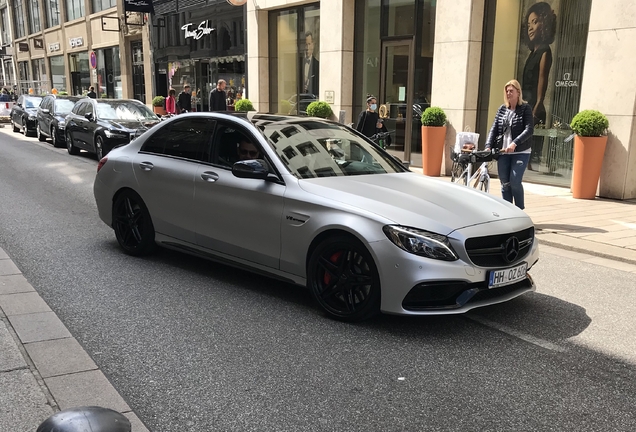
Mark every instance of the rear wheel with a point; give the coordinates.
(72, 150)
(39, 133)
(133, 226)
(344, 280)
(99, 147)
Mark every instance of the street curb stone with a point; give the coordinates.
(588, 247)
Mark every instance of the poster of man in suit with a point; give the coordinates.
(310, 66)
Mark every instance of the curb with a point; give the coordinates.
(601, 250)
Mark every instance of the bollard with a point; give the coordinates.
(85, 419)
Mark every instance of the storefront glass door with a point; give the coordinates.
(396, 95)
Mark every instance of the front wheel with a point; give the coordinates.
(72, 150)
(54, 140)
(133, 226)
(99, 147)
(15, 128)
(39, 133)
(344, 280)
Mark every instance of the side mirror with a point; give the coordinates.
(253, 169)
(89, 116)
(45, 111)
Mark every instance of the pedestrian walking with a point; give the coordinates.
(369, 121)
(91, 93)
(511, 132)
(218, 98)
(4, 96)
(184, 100)
(171, 102)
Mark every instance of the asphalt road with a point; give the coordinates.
(197, 346)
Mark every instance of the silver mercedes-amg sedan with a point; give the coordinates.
(317, 204)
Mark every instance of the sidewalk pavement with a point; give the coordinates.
(43, 369)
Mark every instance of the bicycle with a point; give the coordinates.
(380, 138)
(462, 169)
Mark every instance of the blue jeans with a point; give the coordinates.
(511, 168)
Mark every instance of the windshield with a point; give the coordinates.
(63, 106)
(313, 148)
(32, 102)
(124, 111)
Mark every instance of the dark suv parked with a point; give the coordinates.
(51, 118)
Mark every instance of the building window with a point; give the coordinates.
(80, 73)
(108, 73)
(33, 7)
(58, 74)
(18, 19)
(544, 49)
(8, 71)
(74, 9)
(5, 34)
(100, 5)
(40, 81)
(52, 13)
(23, 77)
(294, 59)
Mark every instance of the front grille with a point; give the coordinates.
(490, 251)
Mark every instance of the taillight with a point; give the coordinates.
(101, 163)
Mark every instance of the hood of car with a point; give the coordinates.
(415, 200)
(130, 125)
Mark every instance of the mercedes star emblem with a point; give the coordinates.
(511, 249)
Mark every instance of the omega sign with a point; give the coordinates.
(197, 33)
(76, 42)
(566, 82)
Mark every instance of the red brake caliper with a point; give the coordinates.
(334, 259)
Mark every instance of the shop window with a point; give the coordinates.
(40, 82)
(58, 74)
(294, 59)
(5, 34)
(80, 73)
(100, 5)
(108, 73)
(52, 13)
(544, 49)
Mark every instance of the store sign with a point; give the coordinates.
(197, 33)
(76, 42)
(566, 82)
(38, 43)
(23, 47)
(138, 6)
(54, 47)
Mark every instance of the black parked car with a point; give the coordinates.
(51, 117)
(23, 114)
(99, 125)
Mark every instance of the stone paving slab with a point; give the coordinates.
(22, 404)
(23, 303)
(14, 284)
(135, 423)
(7, 267)
(85, 389)
(59, 357)
(38, 327)
(10, 356)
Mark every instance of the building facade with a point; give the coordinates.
(66, 46)
(457, 54)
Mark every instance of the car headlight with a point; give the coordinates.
(115, 134)
(61, 125)
(420, 242)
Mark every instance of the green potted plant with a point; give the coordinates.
(319, 109)
(433, 137)
(590, 127)
(158, 105)
(243, 105)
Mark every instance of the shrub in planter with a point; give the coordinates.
(319, 109)
(243, 105)
(589, 123)
(434, 116)
(63, 93)
(158, 101)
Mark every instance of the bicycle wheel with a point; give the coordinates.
(484, 184)
(459, 174)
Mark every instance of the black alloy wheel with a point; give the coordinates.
(99, 147)
(72, 150)
(54, 140)
(25, 130)
(15, 128)
(132, 224)
(38, 133)
(344, 280)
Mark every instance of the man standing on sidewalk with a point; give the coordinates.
(218, 97)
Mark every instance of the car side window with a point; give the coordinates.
(188, 139)
(77, 109)
(227, 145)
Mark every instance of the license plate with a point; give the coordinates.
(507, 276)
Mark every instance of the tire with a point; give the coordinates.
(38, 133)
(99, 147)
(25, 129)
(343, 279)
(72, 150)
(54, 140)
(133, 226)
(456, 171)
(15, 128)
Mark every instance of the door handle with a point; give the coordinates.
(146, 166)
(209, 176)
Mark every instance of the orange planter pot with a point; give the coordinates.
(159, 110)
(588, 160)
(433, 138)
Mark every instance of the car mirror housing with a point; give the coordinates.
(253, 169)
(45, 111)
(89, 116)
